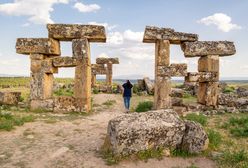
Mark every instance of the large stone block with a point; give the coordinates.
(46, 105)
(64, 62)
(162, 53)
(195, 138)
(204, 48)
(173, 70)
(45, 46)
(149, 85)
(68, 32)
(82, 87)
(98, 69)
(41, 86)
(202, 77)
(152, 34)
(141, 84)
(38, 56)
(162, 91)
(47, 66)
(208, 93)
(9, 98)
(67, 104)
(209, 63)
(107, 60)
(143, 131)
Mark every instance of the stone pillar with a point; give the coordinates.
(82, 86)
(162, 83)
(109, 77)
(93, 80)
(208, 91)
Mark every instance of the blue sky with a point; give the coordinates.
(125, 23)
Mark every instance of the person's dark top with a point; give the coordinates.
(127, 89)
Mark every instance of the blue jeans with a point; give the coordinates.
(127, 102)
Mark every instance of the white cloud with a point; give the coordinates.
(133, 36)
(106, 25)
(11, 62)
(114, 38)
(86, 8)
(221, 20)
(103, 55)
(38, 11)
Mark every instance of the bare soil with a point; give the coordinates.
(74, 142)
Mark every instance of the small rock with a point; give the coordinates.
(59, 152)
(30, 137)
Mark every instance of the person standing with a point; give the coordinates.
(127, 94)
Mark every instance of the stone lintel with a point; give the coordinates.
(152, 34)
(204, 48)
(202, 77)
(173, 70)
(107, 60)
(64, 62)
(45, 46)
(98, 69)
(68, 32)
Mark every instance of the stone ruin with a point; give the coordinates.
(103, 66)
(208, 64)
(46, 58)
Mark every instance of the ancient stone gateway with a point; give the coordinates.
(104, 66)
(163, 37)
(208, 67)
(208, 64)
(46, 59)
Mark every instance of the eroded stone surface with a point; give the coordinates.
(208, 93)
(64, 62)
(98, 69)
(45, 46)
(67, 104)
(68, 32)
(149, 85)
(107, 60)
(153, 33)
(9, 98)
(141, 131)
(173, 70)
(47, 104)
(204, 48)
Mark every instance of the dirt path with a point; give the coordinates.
(73, 143)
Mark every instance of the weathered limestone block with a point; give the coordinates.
(162, 54)
(109, 76)
(149, 85)
(154, 33)
(195, 139)
(162, 91)
(45, 46)
(208, 93)
(67, 104)
(209, 63)
(68, 32)
(47, 104)
(9, 98)
(202, 77)
(82, 87)
(98, 69)
(107, 60)
(41, 86)
(204, 48)
(173, 70)
(142, 131)
(227, 99)
(64, 62)
(37, 56)
(47, 66)
(175, 92)
(93, 80)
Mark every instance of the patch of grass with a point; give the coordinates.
(150, 153)
(197, 118)
(238, 126)
(229, 89)
(8, 120)
(215, 139)
(63, 92)
(144, 106)
(109, 103)
(181, 153)
(95, 91)
(192, 166)
(238, 159)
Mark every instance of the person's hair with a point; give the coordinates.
(128, 83)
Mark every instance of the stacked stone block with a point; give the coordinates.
(163, 37)
(109, 69)
(45, 61)
(208, 67)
